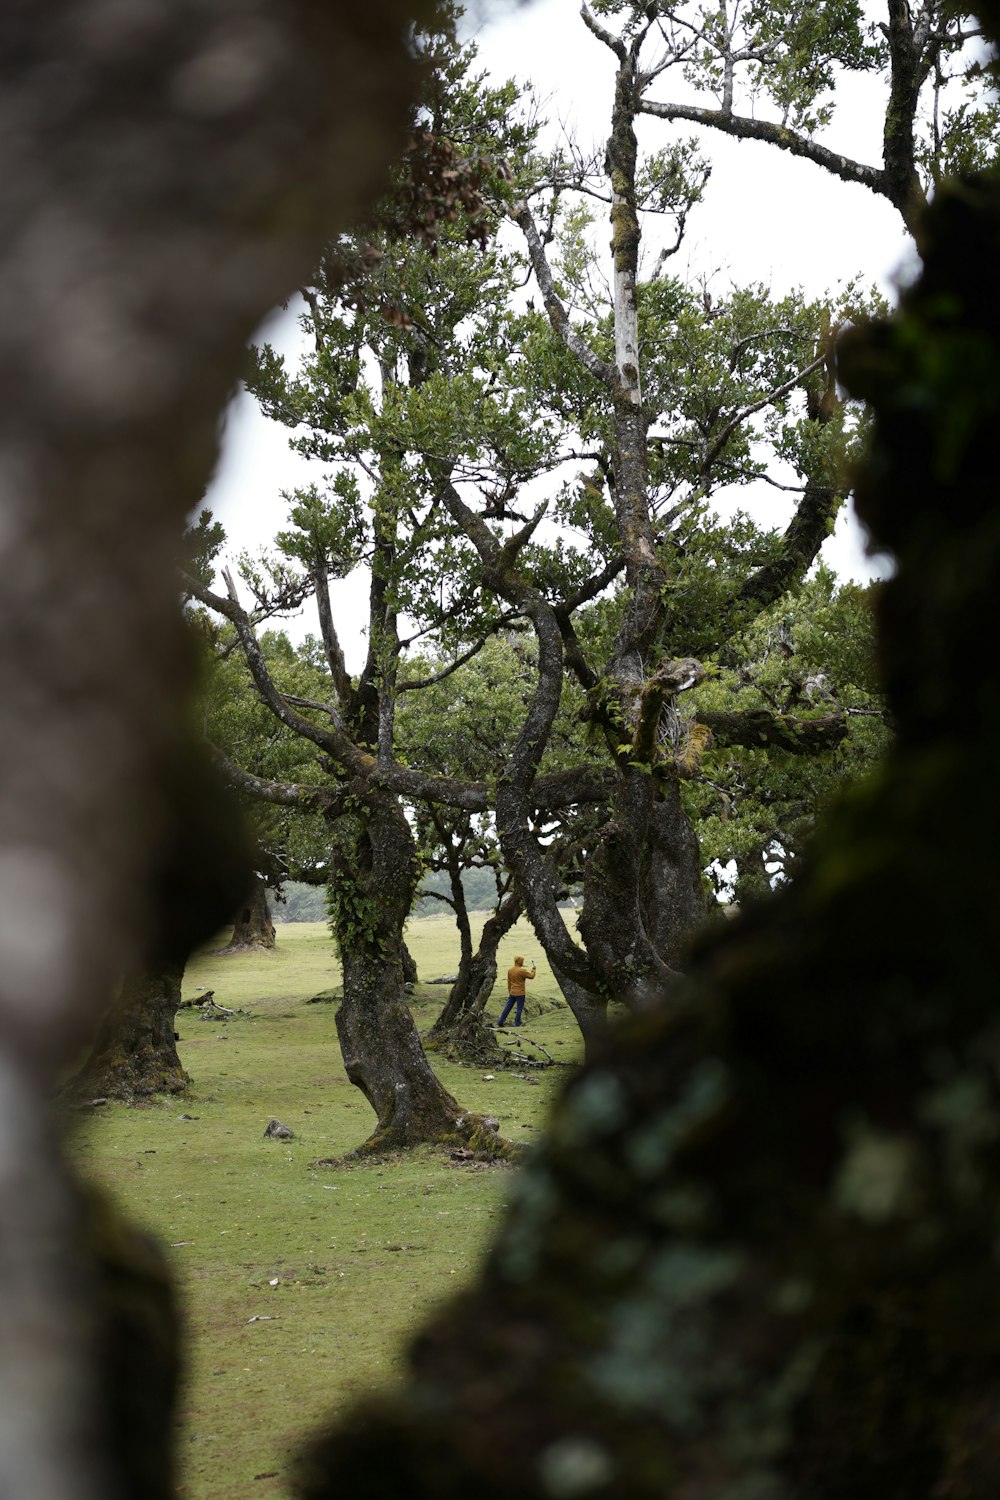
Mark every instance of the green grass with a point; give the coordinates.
(337, 1265)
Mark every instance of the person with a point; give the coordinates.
(516, 975)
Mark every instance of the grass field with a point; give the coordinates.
(300, 1285)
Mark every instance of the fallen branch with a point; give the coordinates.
(530, 1062)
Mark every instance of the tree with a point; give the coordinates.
(288, 843)
(459, 724)
(765, 1223)
(764, 76)
(373, 866)
(253, 928)
(682, 588)
(135, 1050)
(757, 808)
(475, 399)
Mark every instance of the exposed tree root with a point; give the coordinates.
(476, 1136)
(468, 1040)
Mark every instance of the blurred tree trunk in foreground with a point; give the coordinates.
(135, 1052)
(168, 173)
(756, 1255)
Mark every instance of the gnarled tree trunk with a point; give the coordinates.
(135, 1053)
(253, 930)
(461, 1029)
(642, 891)
(370, 902)
(590, 1011)
(478, 975)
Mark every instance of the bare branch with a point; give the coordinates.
(558, 316)
(614, 42)
(748, 411)
(747, 129)
(331, 642)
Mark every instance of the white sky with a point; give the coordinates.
(767, 217)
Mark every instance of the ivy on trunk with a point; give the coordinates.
(370, 899)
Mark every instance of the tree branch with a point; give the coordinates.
(515, 792)
(743, 128)
(615, 43)
(334, 653)
(460, 661)
(670, 678)
(748, 411)
(302, 795)
(557, 314)
(755, 727)
(803, 537)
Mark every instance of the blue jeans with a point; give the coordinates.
(512, 1000)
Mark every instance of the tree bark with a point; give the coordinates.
(253, 930)
(642, 891)
(475, 982)
(135, 1053)
(371, 900)
(410, 975)
(590, 1011)
(168, 174)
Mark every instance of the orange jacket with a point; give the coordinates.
(516, 975)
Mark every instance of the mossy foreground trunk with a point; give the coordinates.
(135, 1054)
(383, 1056)
(757, 1255)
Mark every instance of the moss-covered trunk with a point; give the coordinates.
(135, 1054)
(370, 902)
(410, 975)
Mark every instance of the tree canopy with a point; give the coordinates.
(560, 627)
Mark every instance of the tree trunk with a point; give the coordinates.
(135, 1054)
(410, 975)
(151, 214)
(642, 891)
(371, 900)
(253, 930)
(590, 1012)
(461, 1030)
(465, 951)
(477, 978)
(673, 900)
